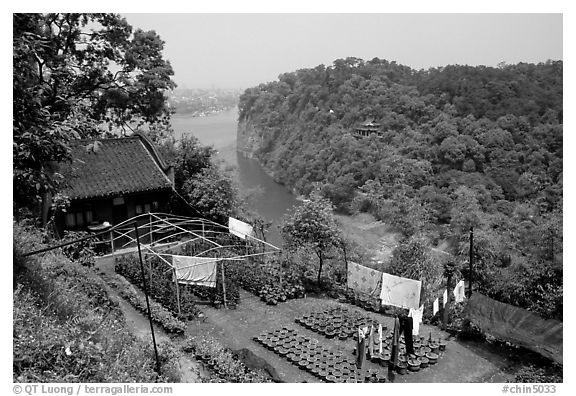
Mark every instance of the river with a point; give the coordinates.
(271, 200)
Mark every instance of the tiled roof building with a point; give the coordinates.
(367, 128)
(112, 180)
(111, 167)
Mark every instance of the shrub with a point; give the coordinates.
(535, 374)
(160, 315)
(81, 252)
(159, 282)
(269, 281)
(224, 365)
(66, 328)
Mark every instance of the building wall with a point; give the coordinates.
(83, 213)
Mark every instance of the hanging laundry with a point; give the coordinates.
(395, 338)
(416, 315)
(371, 342)
(435, 306)
(400, 292)
(406, 328)
(380, 337)
(239, 228)
(361, 348)
(459, 294)
(199, 271)
(364, 279)
(445, 297)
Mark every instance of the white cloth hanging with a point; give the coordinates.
(379, 338)
(364, 279)
(416, 315)
(445, 297)
(435, 307)
(239, 228)
(400, 292)
(459, 294)
(200, 271)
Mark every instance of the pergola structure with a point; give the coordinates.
(161, 234)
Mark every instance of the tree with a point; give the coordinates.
(412, 259)
(312, 225)
(466, 211)
(189, 159)
(212, 193)
(74, 74)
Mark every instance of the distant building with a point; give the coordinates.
(112, 180)
(367, 128)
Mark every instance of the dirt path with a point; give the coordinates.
(235, 329)
(140, 326)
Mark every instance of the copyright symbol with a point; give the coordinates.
(17, 389)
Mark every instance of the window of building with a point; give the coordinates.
(79, 219)
(89, 217)
(147, 208)
(70, 220)
(138, 209)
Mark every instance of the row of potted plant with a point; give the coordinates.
(273, 285)
(347, 295)
(159, 283)
(426, 352)
(223, 365)
(309, 355)
(160, 315)
(336, 322)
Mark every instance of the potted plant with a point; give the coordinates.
(434, 347)
(442, 345)
(432, 357)
(401, 368)
(413, 364)
(423, 362)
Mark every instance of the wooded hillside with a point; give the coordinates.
(461, 147)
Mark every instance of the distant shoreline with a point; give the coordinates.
(196, 114)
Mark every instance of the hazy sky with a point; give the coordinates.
(243, 50)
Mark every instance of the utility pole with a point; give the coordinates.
(471, 261)
(147, 300)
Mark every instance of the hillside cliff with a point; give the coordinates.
(248, 139)
(456, 147)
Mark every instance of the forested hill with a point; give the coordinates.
(461, 146)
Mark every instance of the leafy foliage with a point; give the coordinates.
(312, 225)
(269, 280)
(81, 252)
(68, 329)
(213, 193)
(73, 76)
(159, 283)
(458, 147)
(159, 314)
(534, 374)
(412, 259)
(224, 365)
(208, 189)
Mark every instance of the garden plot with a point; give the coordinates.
(343, 324)
(236, 329)
(310, 355)
(336, 322)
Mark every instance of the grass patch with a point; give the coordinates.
(68, 329)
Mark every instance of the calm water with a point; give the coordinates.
(270, 199)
